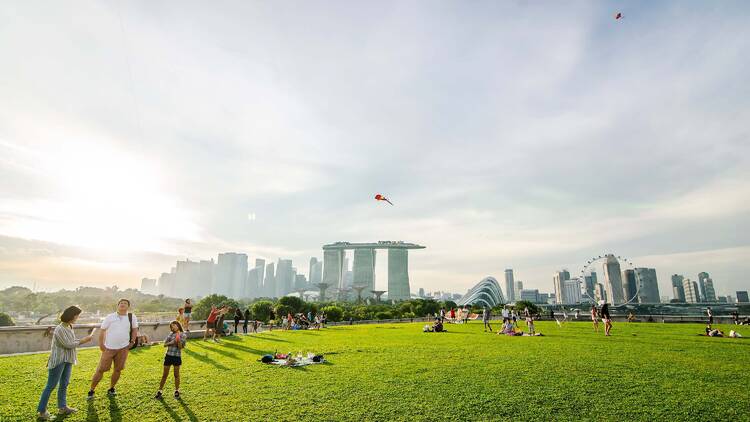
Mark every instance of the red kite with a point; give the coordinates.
(380, 197)
(618, 15)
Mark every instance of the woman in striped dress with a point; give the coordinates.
(61, 360)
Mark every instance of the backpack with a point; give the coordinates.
(130, 332)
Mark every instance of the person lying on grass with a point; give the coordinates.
(713, 332)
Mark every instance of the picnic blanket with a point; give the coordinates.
(296, 362)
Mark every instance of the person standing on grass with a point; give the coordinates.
(486, 317)
(271, 319)
(188, 306)
(60, 363)
(174, 343)
(606, 319)
(181, 318)
(594, 318)
(247, 319)
(117, 336)
(506, 315)
(211, 323)
(710, 315)
(237, 318)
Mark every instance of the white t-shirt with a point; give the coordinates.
(505, 313)
(118, 330)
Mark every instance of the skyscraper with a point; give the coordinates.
(269, 283)
(519, 287)
(398, 274)
(709, 292)
(315, 275)
(284, 277)
(589, 284)
(148, 286)
(230, 274)
(364, 268)
(678, 291)
(333, 263)
(510, 286)
(629, 285)
(558, 280)
(742, 296)
(648, 290)
(421, 292)
(613, 280)
(702, 285)
(599, 293)
(692, 294)
(572, 289)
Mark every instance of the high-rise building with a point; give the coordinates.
(230, 274)
(284, 277)
(148, 286)
(742, 296)
(692, 293)
(206, 271)
(702, 276)
(519, 287)
(510, 286)
(613, 280)
(530, 295)
(723, 299)
(333, 267)
(269, 282)
(300, 282)
(166, 284)
(629, 285)
(678, 291)
(558, 280)
(572, 291)
(316, 272)
(599, 292)
(589, 284)
(709, 292)
(398, 275)
(544, 298)
(648, 287)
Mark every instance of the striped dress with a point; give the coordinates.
(64, 344)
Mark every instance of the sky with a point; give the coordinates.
(519, 134)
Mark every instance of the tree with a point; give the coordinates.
(521, 304)
(6, 320)
(296, 304)
(282, 310)
(262, 310)
(449, 304)
(334, 313)
(202, 308)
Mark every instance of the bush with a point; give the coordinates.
(334, 313)
(6, 320)
(383, 315)
(282, 310)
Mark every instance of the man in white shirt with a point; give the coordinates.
(116, 337)
(505, 314)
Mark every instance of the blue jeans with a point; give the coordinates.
(60, 374)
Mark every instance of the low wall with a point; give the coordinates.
(29, 339)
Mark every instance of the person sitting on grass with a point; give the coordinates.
(174, 343)
(438, 326)
(507, 328)
(713, 332)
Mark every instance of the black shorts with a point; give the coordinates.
(170, 360)
(211, 325)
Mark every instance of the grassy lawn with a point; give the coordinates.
(396, 372)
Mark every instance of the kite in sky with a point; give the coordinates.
(618, 15)
(380, 197)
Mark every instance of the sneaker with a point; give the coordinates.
(177, 394)
(112, 392)
(90, 395)
(44, 416)
(67, 410)
(158, 395)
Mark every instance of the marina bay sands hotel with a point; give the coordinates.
(363, 268)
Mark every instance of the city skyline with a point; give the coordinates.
(128, 143)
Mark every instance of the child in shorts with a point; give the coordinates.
(174, 343)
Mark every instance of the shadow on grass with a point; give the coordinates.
(171, 411)
(187, 410)
(91, 414)
(245, 349)
(203, 358)
(115, 415)
(270, 337)
(218, 349)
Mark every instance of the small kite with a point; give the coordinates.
(380, 197)
(618, 15)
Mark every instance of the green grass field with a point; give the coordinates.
(396, 372)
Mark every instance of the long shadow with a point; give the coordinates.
(218, 350)
(203, 358)
(245, 349)
(171, 411)
(115, 415)
(91, 414)
(265, 335)
(187, 410)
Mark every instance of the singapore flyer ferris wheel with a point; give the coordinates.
(619, 284)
